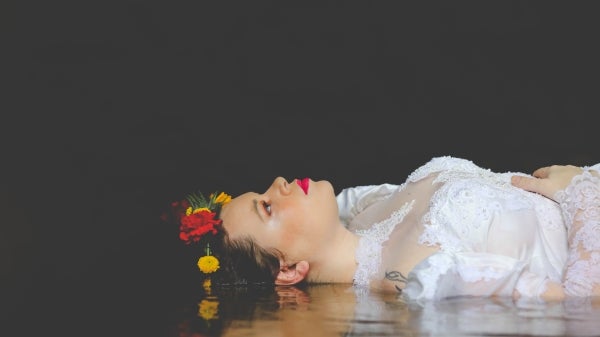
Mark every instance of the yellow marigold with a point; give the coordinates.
(208, 264)
(208, 309)
(198, 210)
(223, 198)
(207, 284)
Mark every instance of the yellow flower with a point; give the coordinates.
(208, 309)
(223, 198)
(198, 210)
(206, 284)
(208, 264)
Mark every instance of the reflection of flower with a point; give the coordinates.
(208, 264)
(208, 309)
(207, 284)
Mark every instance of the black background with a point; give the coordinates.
(112, 109)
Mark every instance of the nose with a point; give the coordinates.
(281, 185)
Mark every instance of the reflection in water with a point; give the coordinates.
(503, 316)
(342, 310)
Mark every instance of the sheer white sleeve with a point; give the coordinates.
(354, 200)
(447, 274)
(580, 205)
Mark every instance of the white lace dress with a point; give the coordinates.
(485, 236)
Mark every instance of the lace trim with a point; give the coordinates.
(439, 164)
(580, 205)
(368, 252)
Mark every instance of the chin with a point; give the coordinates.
(326, 184)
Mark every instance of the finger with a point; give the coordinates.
(522, 182)
(542, 172)
(530, 184)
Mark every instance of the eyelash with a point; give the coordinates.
(267, 207)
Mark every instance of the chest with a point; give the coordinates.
(394, 227)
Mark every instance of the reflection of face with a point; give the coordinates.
(285, 217)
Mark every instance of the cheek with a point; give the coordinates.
(287, 240)
(291, 231)
(295, 228)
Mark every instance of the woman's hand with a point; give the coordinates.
(547, 180)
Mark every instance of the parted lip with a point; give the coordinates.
(303, 183)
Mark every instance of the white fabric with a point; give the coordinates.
(352, 201)
(491, 237)
(580, 204)
(369, 248)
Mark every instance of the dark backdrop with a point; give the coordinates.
(111, 109)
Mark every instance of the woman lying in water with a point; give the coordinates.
(451, 229)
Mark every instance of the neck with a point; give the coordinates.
(336, 263)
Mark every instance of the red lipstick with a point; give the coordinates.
(303, 183)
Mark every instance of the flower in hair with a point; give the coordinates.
(194, 225)
(208, 263)
(198, 216)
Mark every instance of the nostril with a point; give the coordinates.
(283, 185)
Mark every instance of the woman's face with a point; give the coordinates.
(295, 218)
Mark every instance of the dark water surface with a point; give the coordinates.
(339, 310)
(181, 308)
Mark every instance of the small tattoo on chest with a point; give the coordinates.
(396, 276)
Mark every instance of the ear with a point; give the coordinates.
(289, 275)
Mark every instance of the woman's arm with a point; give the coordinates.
(577, 190)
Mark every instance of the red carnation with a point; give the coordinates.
(195, 225)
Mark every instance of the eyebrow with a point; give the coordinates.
(255, 204)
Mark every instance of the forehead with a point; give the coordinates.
(240, 213)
